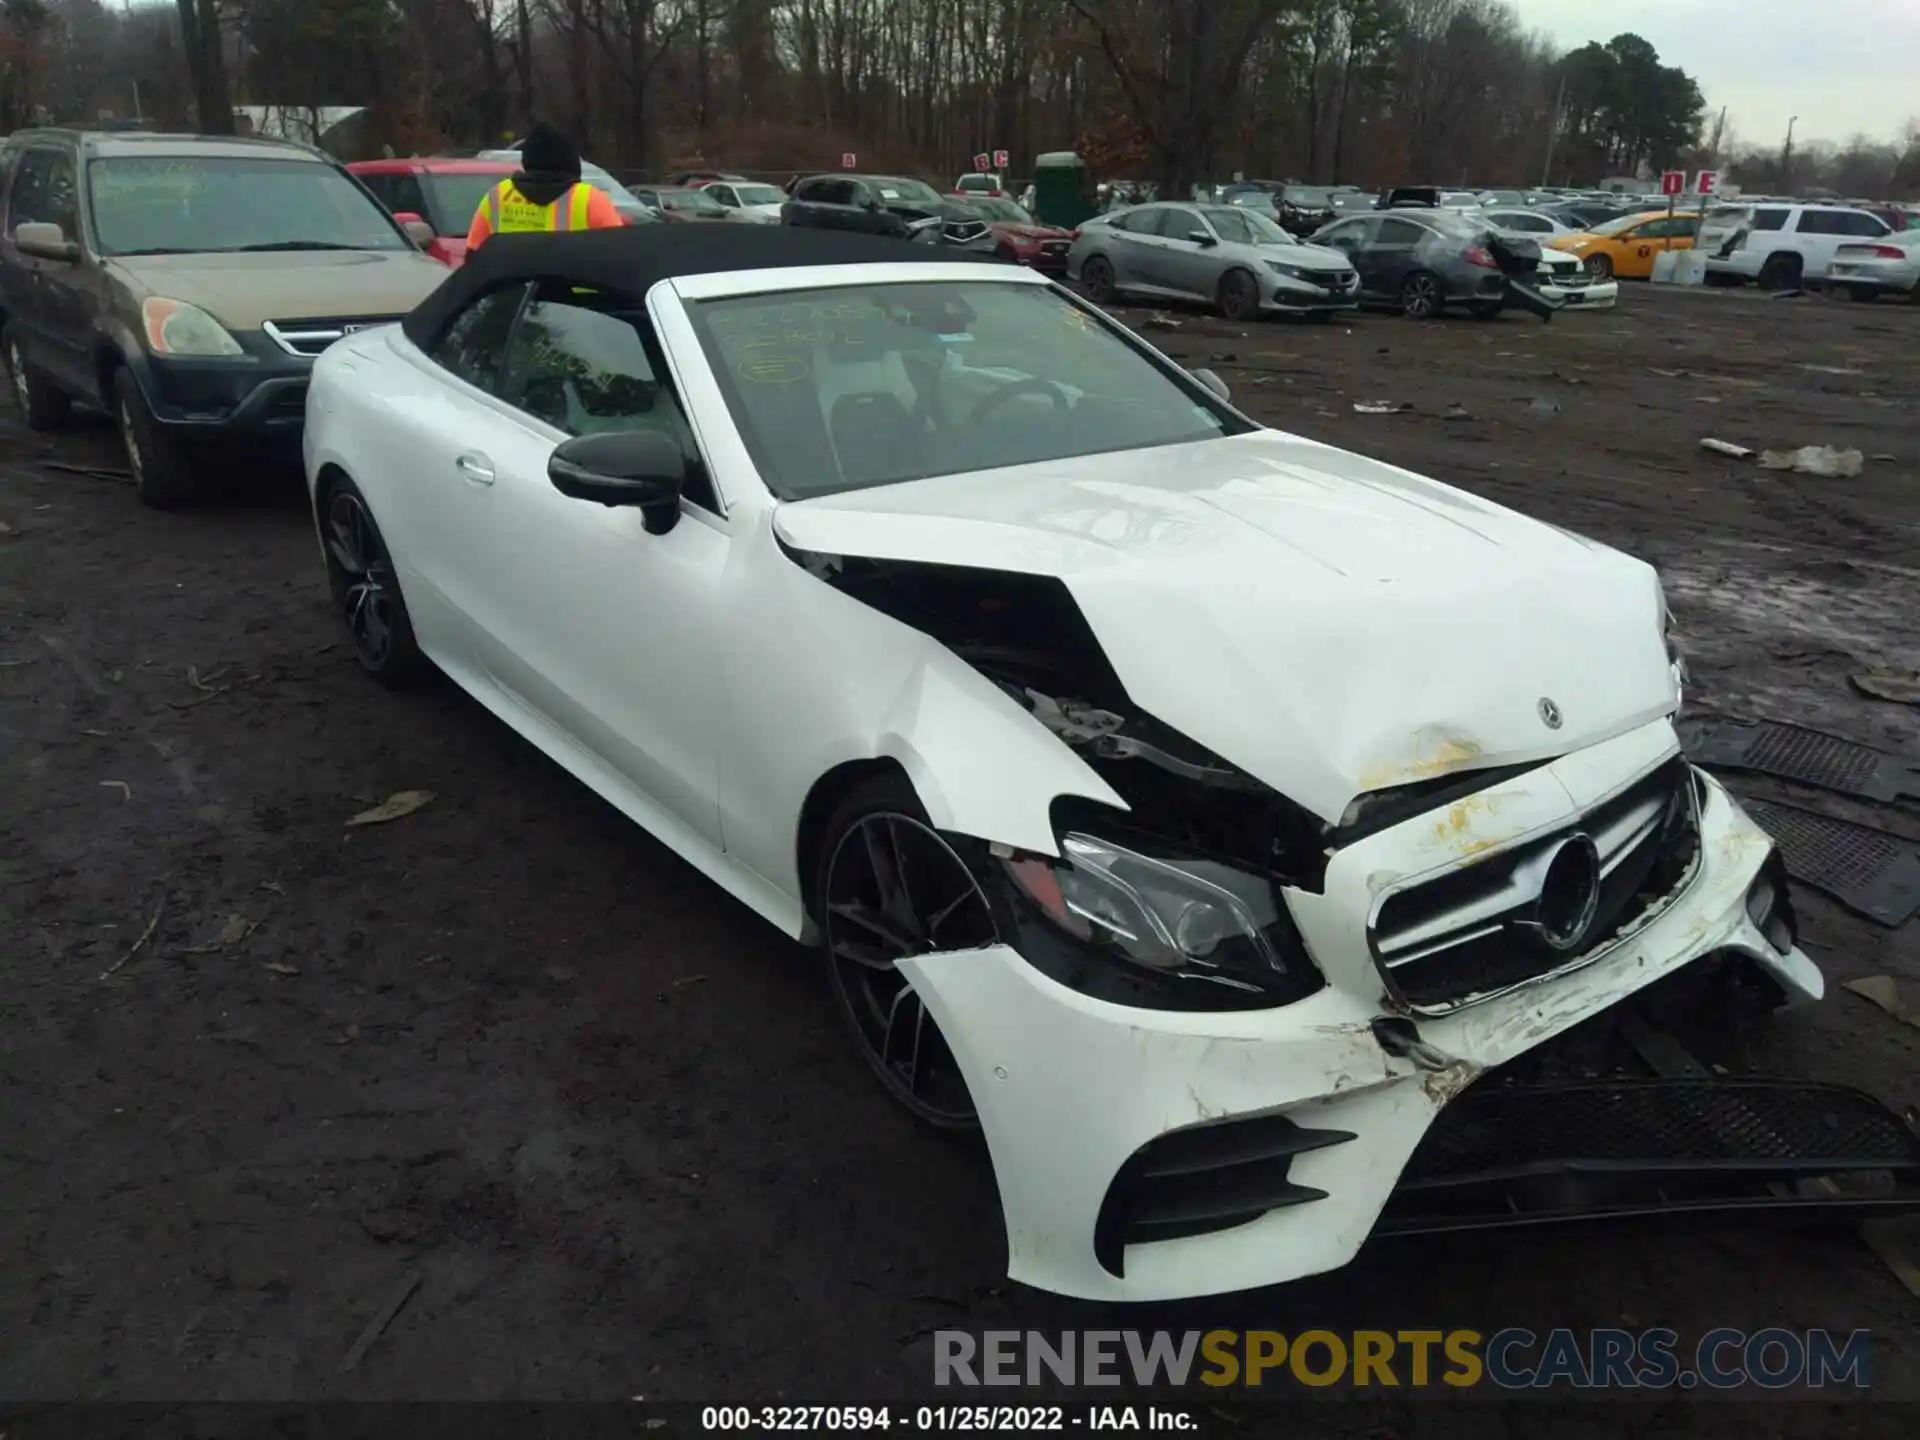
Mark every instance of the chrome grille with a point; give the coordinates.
(1477, 931)
(961, 231)
(311, 337)
(1055, 247)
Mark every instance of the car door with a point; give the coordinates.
(1130, 233)
(1392, 255)
(60, 294)
(1193, 267)
(1179, 264)
(582, 618)
(724, 195)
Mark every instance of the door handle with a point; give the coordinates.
(476, 468)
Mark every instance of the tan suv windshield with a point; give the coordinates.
(184, 204)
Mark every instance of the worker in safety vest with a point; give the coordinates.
(547, 194)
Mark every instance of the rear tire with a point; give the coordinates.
(366, 589)
(887, 886)
(1781, 272)
(1420, 295)
(1239, 296)
(42, 406)
(163, 475)
(1096, 278)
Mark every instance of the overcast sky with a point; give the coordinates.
(1840, 65)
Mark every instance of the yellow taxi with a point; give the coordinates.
(1625, 247)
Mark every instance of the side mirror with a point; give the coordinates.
(44, 241)
(418, 231)
(638, 468)
(1213, 382)
(1201, 237)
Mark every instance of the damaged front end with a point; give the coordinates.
(1519, 261)
(1214, 1029)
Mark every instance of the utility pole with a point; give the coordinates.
(1786, 159)
(1553, 131)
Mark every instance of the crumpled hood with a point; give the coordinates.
(1329, 624)
(241, 291)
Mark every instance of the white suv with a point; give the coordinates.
(1779, 246)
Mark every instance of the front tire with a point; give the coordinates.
(163, 475)
(888, 886)
(1239, 296)
(366, 590)
(42, 406)
(1599, 267)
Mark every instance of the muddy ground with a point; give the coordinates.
(513, 1045)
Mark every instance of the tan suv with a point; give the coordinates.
(184, 285)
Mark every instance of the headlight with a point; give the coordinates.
(1279, 268)
(1676, 658)
(176, 328)
(1171, 933)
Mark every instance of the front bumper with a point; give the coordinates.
(1291, 294)
(261, 395)
(1597, 295)
(1070, 1089)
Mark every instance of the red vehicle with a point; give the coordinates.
(1021, 238)
(444, 193)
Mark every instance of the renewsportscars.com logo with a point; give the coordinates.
(1512, 1359)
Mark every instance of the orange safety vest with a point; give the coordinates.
(509, 212)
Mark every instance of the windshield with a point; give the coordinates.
(760, 194)
(180, 204)
(861, 385)
(997, 208)
(892, 188)
(456, 197)
(1615, 227)
(697, 202)
(1317, 199)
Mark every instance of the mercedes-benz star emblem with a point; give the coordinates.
(1569, 898)
(1549, 712)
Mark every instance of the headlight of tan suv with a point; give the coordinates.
(176, 328)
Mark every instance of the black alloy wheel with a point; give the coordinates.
(365, 590)
(1239, 295)
(1420, 296)
(891, 887)
(1096, 277)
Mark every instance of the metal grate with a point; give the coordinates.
(1870, 871)
(1794, 752)
(1697, 1123)
(1812, 757)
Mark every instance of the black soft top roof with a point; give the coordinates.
(632, 259)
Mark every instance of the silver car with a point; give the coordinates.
(1868, 269)
(1222, 255)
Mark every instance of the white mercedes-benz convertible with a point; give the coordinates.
(1195, 809)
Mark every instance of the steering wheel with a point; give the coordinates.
(1029, 386)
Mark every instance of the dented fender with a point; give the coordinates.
(867, 687)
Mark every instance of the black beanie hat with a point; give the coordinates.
(546, 151)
